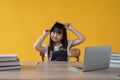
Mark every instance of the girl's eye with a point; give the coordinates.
(53, 32)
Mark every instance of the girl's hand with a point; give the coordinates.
(46, 31)
(68, 26)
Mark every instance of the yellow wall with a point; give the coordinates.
(22, 22)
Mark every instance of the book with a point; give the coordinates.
(9, 68)
(8, 57)
(115, 57)
(9, 63)
(115, 61)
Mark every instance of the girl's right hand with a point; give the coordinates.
(68, 26)
(46, 31)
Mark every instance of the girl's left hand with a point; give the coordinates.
(68, 26)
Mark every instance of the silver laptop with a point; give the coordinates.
(95, 57)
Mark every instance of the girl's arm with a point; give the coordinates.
(38, 43)
(80, 36)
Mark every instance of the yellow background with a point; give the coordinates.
(22, 22)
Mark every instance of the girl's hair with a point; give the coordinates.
(59, 28)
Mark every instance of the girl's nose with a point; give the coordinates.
(55, 35)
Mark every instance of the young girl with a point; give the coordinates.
(58, 48)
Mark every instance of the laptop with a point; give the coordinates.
(95, 57)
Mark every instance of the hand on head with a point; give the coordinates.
(68, 26)
(46, 31)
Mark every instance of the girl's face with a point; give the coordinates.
(56, 37)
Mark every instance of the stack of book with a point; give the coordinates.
(9, 62)
(115, 60)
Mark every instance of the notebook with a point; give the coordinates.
(95, 57)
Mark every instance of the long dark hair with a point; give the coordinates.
(59, 28)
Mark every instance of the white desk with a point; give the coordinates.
(57, 71)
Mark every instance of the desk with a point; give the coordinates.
(57, 71)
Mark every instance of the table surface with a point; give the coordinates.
(57, 71)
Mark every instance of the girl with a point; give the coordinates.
(58, 48)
